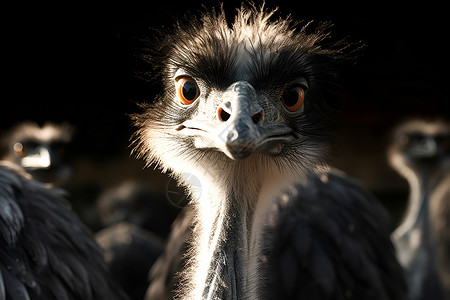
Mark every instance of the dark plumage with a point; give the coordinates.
(334, 246)
(130, 251)
(241, 121)
(45, 251)
(134, 203)
(317, 248)
(137, 221)
(165, 274)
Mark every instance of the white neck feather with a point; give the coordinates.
(414, 233)
(231, 213)
(421, 183)
(415, 203)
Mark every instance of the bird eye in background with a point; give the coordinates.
(187, 90)
(404, 140)
(293, 98)
(44, 151)
(19, 149)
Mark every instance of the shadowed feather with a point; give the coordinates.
(45, 251)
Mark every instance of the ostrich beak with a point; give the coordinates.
(241, 129)
(427, 150)
(40, 159)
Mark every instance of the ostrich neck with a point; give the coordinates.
(227, 240)
(222, 253)
(414, 235)
(416, 216)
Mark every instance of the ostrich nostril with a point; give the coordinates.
(222, 114)
(258, 117)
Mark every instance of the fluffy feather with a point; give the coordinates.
(45, 250)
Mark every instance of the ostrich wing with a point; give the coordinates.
(45, 250)
(331, 242)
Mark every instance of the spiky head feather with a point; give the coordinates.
(266, 52)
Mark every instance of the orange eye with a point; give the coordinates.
(293, 98)
(404, 140)
(187, 90)
(19, 149)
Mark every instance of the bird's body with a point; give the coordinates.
(420, 152)
(45, 250)
(317, 240)
(134, 203)
(241, 122)
(129, 252)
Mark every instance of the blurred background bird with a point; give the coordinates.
(45, 250)
(134, 218)
(420, 152)
(135, 225)
(42, 151)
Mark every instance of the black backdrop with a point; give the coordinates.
(74, 62)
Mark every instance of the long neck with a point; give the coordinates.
(417, 212)
(221, 238)
(226, 241)
(416, 238)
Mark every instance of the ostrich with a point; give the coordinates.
(137, 204)
(41, 151)
(45, 250)
(420, 151)
(241, 122)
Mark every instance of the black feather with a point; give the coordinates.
(47, 253)
(339, 259)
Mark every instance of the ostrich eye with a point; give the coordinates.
(187, 90)
(293, 98)
(404, 140)
(19, 149)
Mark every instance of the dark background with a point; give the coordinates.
(74, 62)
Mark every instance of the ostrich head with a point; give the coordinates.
(239, 98)
(421, 146)
(40, 150)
